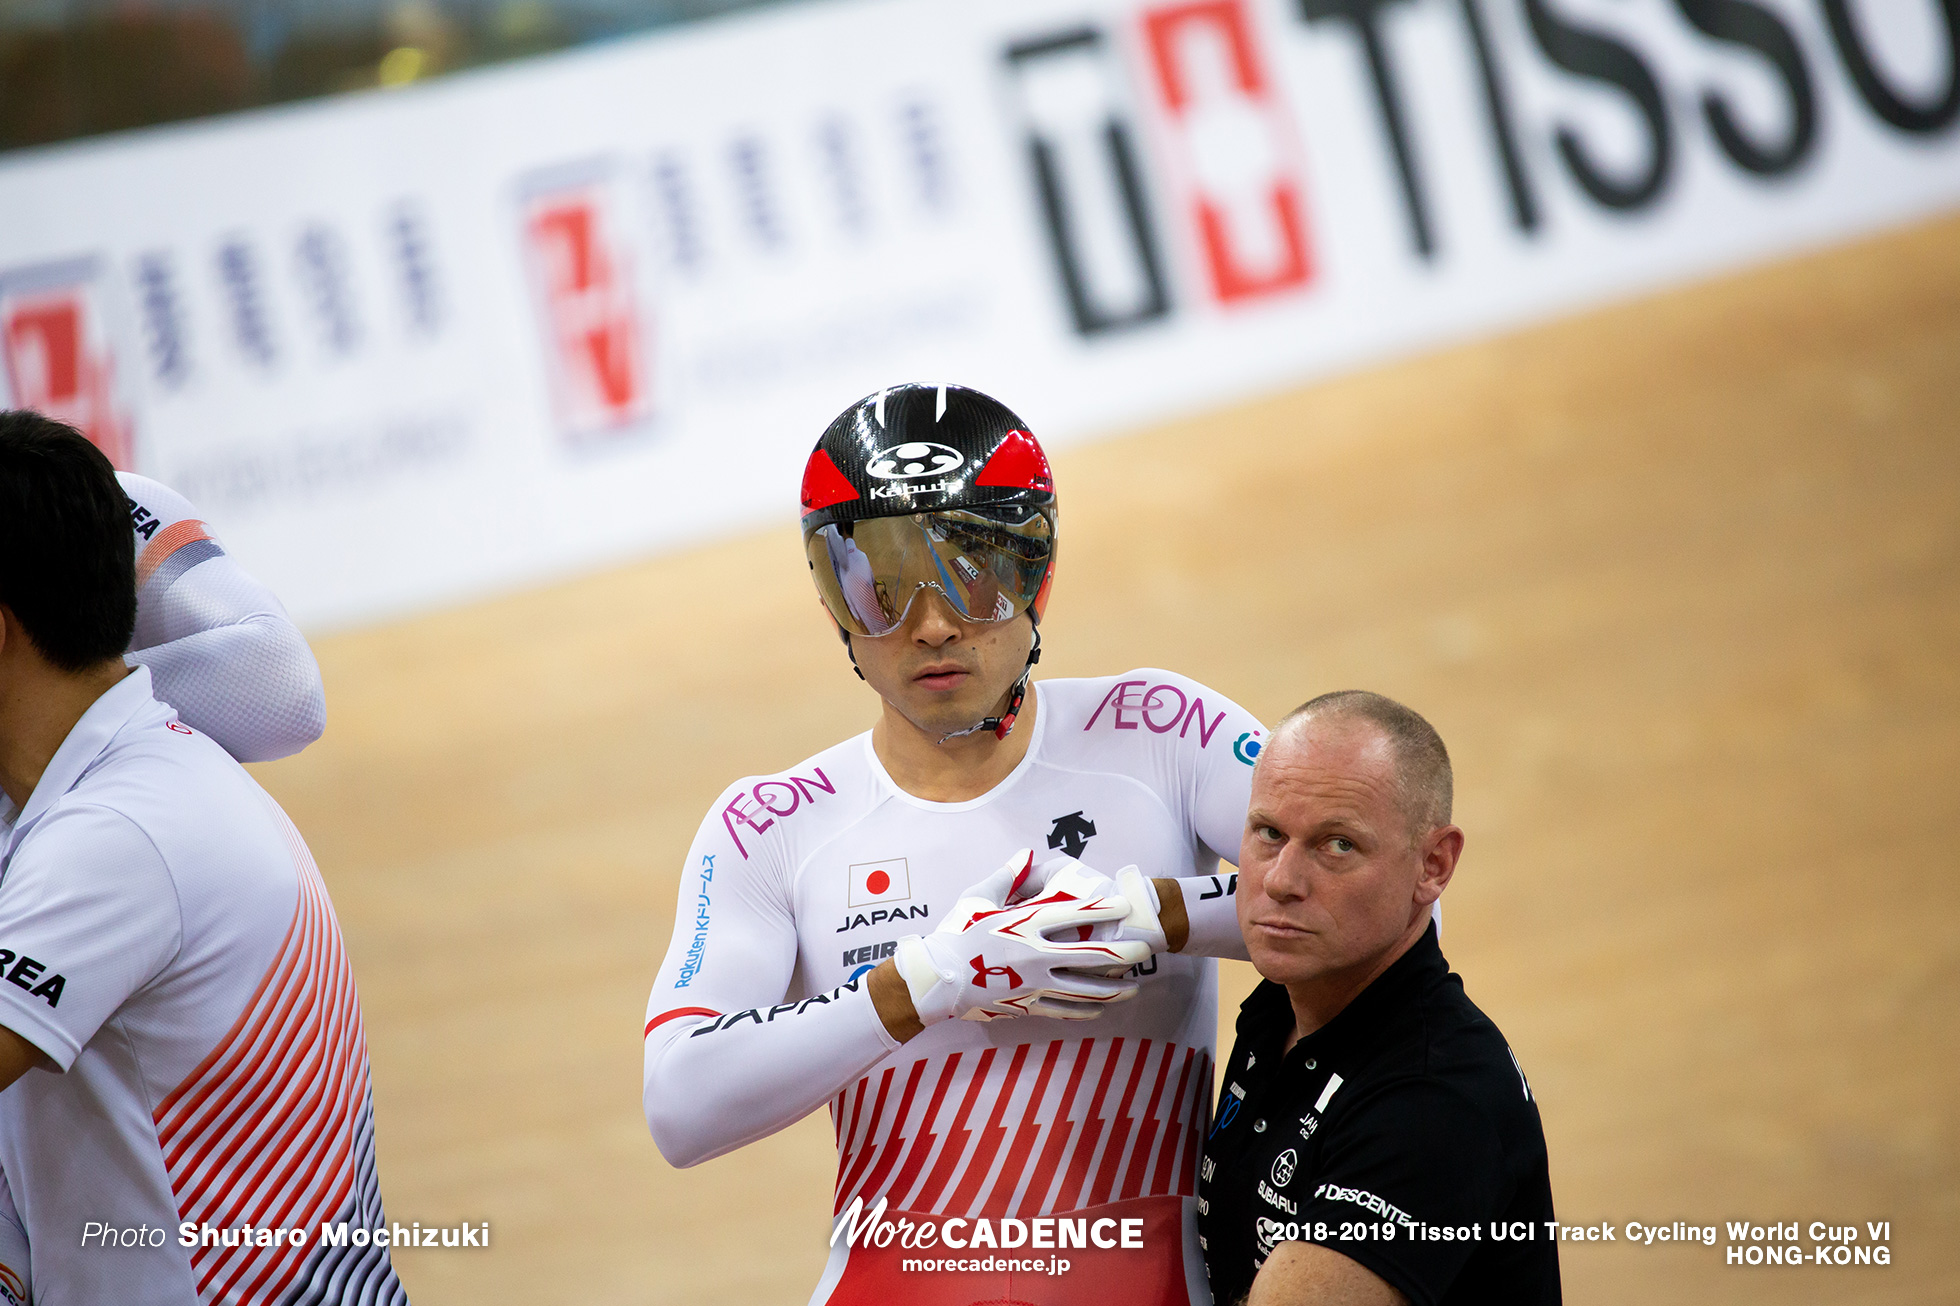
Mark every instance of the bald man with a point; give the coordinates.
(1377, 1142)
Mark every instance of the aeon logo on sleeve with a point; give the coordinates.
(914, 459)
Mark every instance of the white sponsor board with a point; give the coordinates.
(404, 348)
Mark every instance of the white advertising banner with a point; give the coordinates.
(402, 348)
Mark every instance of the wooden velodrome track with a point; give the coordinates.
(1680, 584)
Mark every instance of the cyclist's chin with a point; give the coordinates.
(943, 711)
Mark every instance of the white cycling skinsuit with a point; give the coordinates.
(800, 883)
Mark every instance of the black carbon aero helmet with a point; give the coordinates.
(930, 487)
(918, 449)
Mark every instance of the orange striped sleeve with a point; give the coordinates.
(168, 540)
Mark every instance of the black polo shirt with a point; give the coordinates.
(1401, 1134)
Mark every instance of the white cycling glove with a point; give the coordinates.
(987, 959)
(1142, 925)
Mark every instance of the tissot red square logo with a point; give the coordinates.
(880, 882)
(1231, 148)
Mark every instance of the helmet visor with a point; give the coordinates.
(988, 565)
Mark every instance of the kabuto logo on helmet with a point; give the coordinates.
(912, 459)
(920, 448)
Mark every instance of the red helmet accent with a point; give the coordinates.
(1018, 464)
(823, 484)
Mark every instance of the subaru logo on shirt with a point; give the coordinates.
(1283, 1167)
(913, 459)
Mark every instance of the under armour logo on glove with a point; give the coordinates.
(981, 970)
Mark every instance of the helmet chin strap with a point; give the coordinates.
(1003, 725)
(851, 652)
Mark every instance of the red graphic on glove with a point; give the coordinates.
(981, 970)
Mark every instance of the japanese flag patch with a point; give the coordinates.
(880, 882)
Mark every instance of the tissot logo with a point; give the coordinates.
(917, 458)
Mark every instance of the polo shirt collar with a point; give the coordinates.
(1268, 1009)
(86, 741)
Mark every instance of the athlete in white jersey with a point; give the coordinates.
(180, 1038)
(929, 521)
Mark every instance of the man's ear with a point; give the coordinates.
(1440, 851)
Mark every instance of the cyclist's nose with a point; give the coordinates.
(933, 621)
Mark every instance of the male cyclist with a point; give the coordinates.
(805, 965)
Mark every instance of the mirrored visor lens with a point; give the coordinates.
(988, 566)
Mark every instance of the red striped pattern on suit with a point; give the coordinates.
(270, 1130)
(1029, 1130)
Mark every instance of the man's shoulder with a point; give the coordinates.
(188, 798)
(87, 830)
(808, 798)
(1465, 1048)
(92, 854)
(1145, 703)
(154, 762)
(845, 761)
(1443, 1059)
